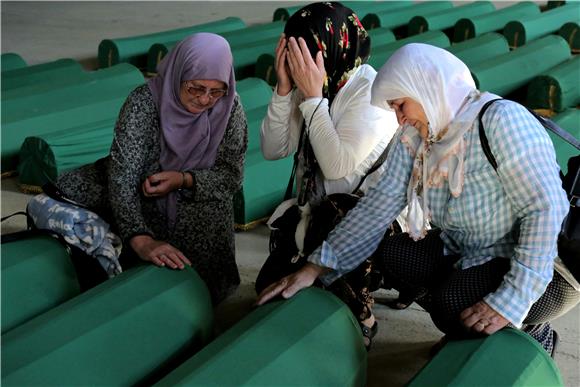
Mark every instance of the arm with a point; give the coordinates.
(134, 133)
(221, 181)
(529, 174)
(357, 235)
(280, 130)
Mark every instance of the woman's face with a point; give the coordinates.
(198, 95)
(411, 112)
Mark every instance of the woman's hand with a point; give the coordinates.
(290, 285)
(307, 74)
(284, 85)
(482, 318)
(162, 183)
(158, 252)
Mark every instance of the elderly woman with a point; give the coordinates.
(175, 163)
(321, 110)
(490, 261)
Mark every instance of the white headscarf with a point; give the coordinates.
(443, 85)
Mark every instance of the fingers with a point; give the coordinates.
(320, 62)
(305, 53)
(295, 53)
(481, 318)
(272, 291)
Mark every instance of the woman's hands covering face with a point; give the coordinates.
(308, 75)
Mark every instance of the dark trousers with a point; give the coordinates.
(421, 268)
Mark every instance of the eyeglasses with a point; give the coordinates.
(198, 91)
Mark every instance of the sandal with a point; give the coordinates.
(369, 333)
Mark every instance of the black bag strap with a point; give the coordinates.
(574, 192)
(29, 221)
(290, 186)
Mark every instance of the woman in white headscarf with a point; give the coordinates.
(490, 260)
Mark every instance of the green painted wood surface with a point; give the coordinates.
(237, 39)
(45, 113)
(571, 33)
(60, 82)
(400, 17)
(556, 89)
(134, 49)
(506, 358)
(382, 53)
(518, 32)
(120, 332)
(481, 48)
(380, 36)
(506, 73)
(43, 158)
(283, 343)
(50, 72)
(470, 27)
(444, 19)
(264, 181)
(37, 275)
(11, 61)
(570, 121)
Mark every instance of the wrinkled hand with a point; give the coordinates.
(290, 285)
(482, 318)
(158, 252)
(307, 74)
(162, 183)
(284, 85)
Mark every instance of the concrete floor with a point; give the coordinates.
(46, 31)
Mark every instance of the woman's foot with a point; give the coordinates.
(369, 329)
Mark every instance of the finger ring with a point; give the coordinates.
(481, 323)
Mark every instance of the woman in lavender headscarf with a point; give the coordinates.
(175, 163)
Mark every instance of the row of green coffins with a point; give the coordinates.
(147, 324)
(152, 325)
(59, 101)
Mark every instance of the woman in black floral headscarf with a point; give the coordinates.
(321, 110)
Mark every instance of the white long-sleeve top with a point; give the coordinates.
(346, 140)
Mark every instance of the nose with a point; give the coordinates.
(204, 99)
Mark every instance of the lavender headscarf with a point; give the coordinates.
(190, 141)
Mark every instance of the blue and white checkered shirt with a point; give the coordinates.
(517, 216)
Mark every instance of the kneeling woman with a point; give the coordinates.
(490, 261)
(175, 163)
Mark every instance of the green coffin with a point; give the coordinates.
(400, 17)
(45, 73)
(506, 358)
(571, 32)
(66, 108)
(283, 14)
(43, 158)
(264, 181)
(134, 49)
(557, 88)
(37, 275)
(380, 36)
(237, 39)
(60, 83)
(11, 61)
(505, 73)
(125, 331)
(444, 19)
(246, 56)
(555, 3)
(470, 27)
(518, 32)
(570, 121)
(382, 53)
(478, 49)
(311, 339)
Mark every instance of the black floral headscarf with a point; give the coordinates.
(335, 30)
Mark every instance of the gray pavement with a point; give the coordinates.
(46, 31)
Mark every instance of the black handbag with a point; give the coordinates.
(569, 237)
